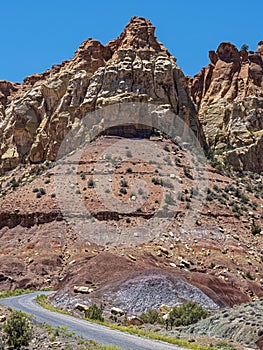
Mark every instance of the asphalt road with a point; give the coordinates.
(88, 330)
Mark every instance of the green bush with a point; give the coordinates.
(18, 330)
(94, 313)
(124, 183)
(123, 190)
(255, 230)
(187, 313)
(150, 316)
(91, 183)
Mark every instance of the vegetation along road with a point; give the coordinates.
(88, 330)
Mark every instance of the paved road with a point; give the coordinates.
(87, 330)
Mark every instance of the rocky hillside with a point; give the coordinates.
(36, 116)
(64, 222)
(229, 96)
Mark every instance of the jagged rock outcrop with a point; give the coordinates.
(133, 67)
(229, 96)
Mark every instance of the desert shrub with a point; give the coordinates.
(177, 161)
(18, 330)
(169, 199)
(187, 172)
(187, 313)
(216, 188)
(94, 313)
(156, 181)
(229, 188)
(83, 176)
(250, 276)
(129, 170)
(124, 183)
(150, 316)
(167, 183)
(255, 230)
(14, 183)
(38, 195)
(129, 154)
(123, 190)
(42, 191)
(91, 183)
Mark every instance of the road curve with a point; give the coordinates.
(88, 330)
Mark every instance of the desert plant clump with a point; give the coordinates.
(188, 173)
(150, 316)
(156, 181)
(187, 313)
(255, 229)
(83, 176)
(91, 183)
(124, 183)
(123, 190)
(42, 191)
(94, 313)
(166, 148)
(18, 330)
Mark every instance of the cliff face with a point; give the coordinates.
(133, 67)
(229, 96)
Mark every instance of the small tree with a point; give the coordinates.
(244, 47)
(94, 313)
(187, 313)
(18, 330)
(150, 316)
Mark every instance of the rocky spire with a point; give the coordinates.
(138, 36)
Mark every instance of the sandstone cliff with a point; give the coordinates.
(229, 96)
(133, 67)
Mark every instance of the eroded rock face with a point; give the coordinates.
(229, 96)
(133, 67)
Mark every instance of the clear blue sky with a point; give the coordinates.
(38, 33)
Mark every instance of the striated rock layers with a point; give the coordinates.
(229, 96)
(36, 116)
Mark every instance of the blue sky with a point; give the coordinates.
(38, 33)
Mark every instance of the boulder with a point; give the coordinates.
(81, 307)
(165, 309)
(117, 312)
(134, 321)
(83, 289)
(2, 318)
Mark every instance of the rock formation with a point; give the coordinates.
(36, 116)
(229, 96)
